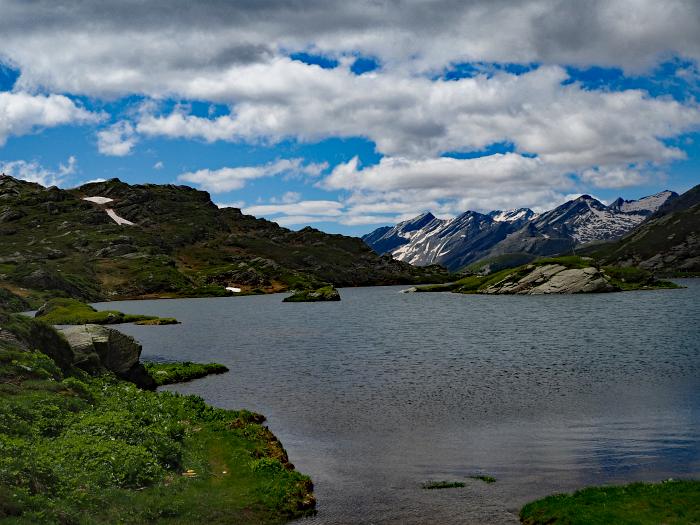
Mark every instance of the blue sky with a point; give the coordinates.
(346, 124)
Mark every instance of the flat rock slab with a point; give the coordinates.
(554, 278)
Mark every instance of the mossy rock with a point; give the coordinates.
(71, 311)
(325, 293)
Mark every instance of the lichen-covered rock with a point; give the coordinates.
(553, 278)
(98, 348)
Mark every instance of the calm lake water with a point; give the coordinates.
(378, 393)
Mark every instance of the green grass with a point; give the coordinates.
(499, 262)
(71, 311)
(158, 321)
(168, 373)
(11, 302)
(431, 485)
(631, 278)
(570, 261)
(484, 478)
(76, 449)
(670, 503)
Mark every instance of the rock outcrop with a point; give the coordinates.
(97, 349)
(553, 279)
(326, 293)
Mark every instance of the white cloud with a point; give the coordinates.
(22, 113)
(316, 208)
(191, 46)
(234, 204)
(617, 176)
(442, 176)
(32, 171)
(118, 140)
(415, 117)
(158, 165)
(228, 179)
(398, 188)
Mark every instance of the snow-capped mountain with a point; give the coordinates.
(645, 205)
(451, 242)
(471, 236)
(521, 214)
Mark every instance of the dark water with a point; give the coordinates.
(382, 391)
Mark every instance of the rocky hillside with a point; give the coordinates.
(472, 236)
(668, 243)
(113, 240)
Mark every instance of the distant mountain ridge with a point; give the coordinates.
(455, 243)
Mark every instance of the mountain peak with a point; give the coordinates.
(417, 222)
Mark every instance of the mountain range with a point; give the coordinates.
(472, 236)
(110, 240)
(667, 243)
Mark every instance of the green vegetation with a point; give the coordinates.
(72, 311)
(484, 478)
(158, 321)
(430, 485)
(11, 302)
(473, 283)
(325, 293)
(499, 262)
(81, 449)
(666, 244)
(570, 261)
(670, 502)
(631, 278)
(622, 278)
(168, 373)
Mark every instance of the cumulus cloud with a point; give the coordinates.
(22, 113)
(399, 188)
(118, 140)
(316, 208)
(237, 55)
(33, 171)
(538, 112)
(190, 43)
(228, 179)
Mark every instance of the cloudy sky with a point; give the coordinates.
(350, 115)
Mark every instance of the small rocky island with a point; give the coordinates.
(324, 293)
(560, 275)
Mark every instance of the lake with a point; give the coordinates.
(378, 393)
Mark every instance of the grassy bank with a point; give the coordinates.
(670, 503)
(76, 449)
(168, 373)
(71, 311)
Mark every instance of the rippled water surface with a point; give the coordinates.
(382, 391)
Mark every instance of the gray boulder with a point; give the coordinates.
(98, 348)
(554, 278)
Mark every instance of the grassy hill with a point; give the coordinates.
(668, 243)
(181, 244)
